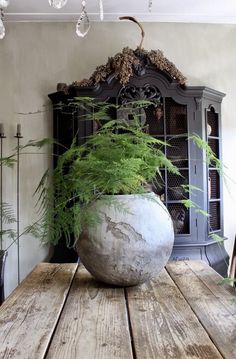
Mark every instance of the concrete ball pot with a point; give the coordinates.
(130, 245)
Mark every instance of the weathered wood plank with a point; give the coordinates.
(93, 324)
(163, 324)
(29, 315)
(213, 280)
(232, 272)
(213, 315)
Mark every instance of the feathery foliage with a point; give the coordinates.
(211, 158)
(119, 158)
(8, 217)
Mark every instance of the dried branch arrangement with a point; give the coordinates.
(124, 63)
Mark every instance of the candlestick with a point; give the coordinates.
(2, 136)
(2, 131)
(1, 128)
(18, 129)
(18, 136)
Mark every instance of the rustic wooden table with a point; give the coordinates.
(60, 311)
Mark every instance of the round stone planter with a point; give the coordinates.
(132, 242)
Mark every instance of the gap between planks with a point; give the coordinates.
(94, 322)
(189, 303)
(225, 293)
(62, 308)
(29, 315)
(164, 324)
(129, 324)
(215, 314)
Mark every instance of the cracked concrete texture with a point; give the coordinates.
(122, 230)
(128, 248)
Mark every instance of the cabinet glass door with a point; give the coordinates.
(176, 136)
(214, 195)
(168, 122)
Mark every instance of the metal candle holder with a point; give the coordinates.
(18, 136)
(2, 136)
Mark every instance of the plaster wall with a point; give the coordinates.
(35, 56)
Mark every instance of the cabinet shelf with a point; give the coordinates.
(213, 137)
(179, 168)
(179, 201)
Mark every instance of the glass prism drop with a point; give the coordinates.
(101, 10)
(2, 30)
(149, 5)
(4, 4)
(57, 4)
(83, 24)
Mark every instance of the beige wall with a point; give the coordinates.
(34, 57)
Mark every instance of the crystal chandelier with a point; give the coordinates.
(83, 23)
(3, 5)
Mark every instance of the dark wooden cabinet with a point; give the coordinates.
(176, 113)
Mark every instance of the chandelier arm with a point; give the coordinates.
(131, 18)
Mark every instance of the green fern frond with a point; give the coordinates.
(191, 188)
(204, 213)
(216, 238)
(188, 203)
(9, 161)
(211, 157)
(7, 213)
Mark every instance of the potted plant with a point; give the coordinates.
(101, 198)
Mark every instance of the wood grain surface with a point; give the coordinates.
(93, 324)
(212, 303)
(29, 316)
(214, 281)
(59, 312)
(163, 324)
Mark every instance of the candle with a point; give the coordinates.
(18, 129)
(1, 129)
